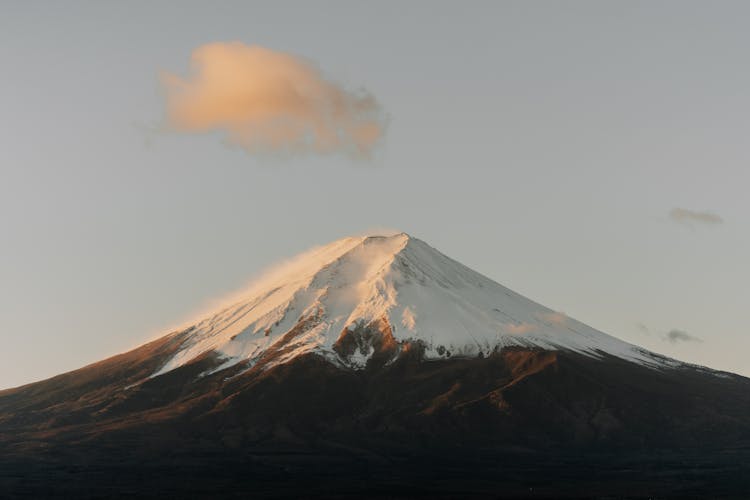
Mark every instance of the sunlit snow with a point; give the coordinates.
(424, 295)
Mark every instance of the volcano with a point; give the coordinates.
(377, 366)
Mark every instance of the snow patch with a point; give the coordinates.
(408, 319)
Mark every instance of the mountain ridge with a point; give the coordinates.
(396, 285)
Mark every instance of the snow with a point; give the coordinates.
(408, 319)
(425, 296)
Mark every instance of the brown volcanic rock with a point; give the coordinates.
(526, 397)
(373, 342)
(511, 407)
(83, 392)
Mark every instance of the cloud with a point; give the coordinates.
(271, 102)
(675, 336)
(685, 216)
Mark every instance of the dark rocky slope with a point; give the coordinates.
(516, 423)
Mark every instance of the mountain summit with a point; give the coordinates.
(378, 366)
(368, 298)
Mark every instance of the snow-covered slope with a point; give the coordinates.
(397, 286)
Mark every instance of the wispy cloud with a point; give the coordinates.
(675, 336)
(267, 101)
(690, 217)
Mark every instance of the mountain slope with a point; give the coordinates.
(407, 287)
(377, 365)
(560, 423)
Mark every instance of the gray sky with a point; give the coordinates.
(545, 144)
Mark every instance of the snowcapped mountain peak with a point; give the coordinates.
(364, 298)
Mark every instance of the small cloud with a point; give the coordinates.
(266, 101)
(690, 217)
(675, 336)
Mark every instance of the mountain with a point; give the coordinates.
(377, 296)
(379, 366)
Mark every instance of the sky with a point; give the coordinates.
(589, 155)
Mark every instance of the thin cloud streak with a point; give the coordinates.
(685, 216)
(270, 102)
(674, 336)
